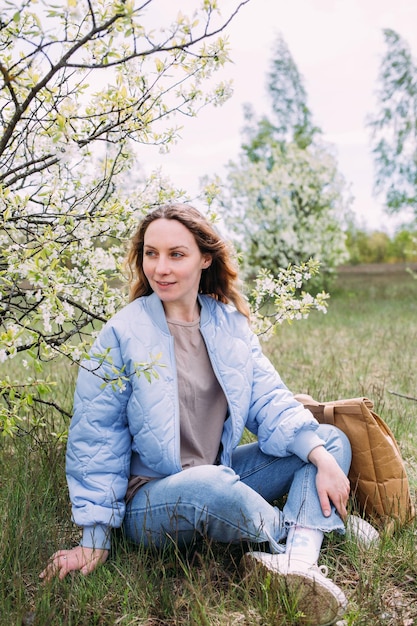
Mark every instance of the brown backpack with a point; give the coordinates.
(377, 474)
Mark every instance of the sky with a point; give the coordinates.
(337, 46)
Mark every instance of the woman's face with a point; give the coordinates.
(172, 263)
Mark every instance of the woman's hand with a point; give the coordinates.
(80, 559)
(331, 482)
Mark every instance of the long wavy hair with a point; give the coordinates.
(220, 280)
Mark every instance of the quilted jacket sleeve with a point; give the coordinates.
(282, 424)
(99, 443)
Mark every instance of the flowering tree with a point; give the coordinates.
(275, 299)
(285, 199)
(286, 210)
(80, 83)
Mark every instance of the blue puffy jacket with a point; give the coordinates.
(133, 427)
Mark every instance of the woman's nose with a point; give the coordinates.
(162, 266)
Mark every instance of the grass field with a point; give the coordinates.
(365, 345)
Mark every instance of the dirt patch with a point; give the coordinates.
(377, 268)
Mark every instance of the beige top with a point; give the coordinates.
(202, 403)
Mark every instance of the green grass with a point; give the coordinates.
(365, 345)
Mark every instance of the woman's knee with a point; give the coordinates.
(212, 478)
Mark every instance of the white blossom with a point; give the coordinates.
(76, 353)
(60, 319)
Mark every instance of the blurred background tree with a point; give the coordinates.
(394, 127)
(285, 201)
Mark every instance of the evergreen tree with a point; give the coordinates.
(284, 199)
(394, 126)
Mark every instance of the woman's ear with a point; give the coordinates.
(207, 262)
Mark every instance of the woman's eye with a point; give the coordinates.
(150, 253)
(177, 255)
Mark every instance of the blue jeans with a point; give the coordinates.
(233, 504)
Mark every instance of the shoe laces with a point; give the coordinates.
(323, 569)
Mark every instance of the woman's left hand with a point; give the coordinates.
(80, 559)
(333, 485)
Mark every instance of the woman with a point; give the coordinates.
(161, 456)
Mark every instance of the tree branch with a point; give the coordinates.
(402, 395)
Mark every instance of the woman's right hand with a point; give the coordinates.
(79, 558)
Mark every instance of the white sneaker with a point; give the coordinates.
(319, 600)
(359, 530)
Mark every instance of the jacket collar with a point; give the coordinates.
(156, 311)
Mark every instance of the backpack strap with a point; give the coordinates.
(328, 413)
